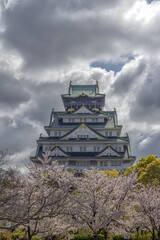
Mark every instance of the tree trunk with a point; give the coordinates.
(95, 236)
(159, 233)
(29, 233)
(106, 235)
(153, 234)
(137, 229)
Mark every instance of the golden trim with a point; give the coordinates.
(100, 138)
(65, 138)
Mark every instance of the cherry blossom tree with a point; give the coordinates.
(10, 185)
(40, 195)
(44, 194)
(147, 206)
(99, 201)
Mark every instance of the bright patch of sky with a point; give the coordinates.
(149, 1)
(112, 66)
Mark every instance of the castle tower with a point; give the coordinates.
(84, 136)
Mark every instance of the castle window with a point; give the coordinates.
(93, 163)
(105, 163)
(69, 149)
(96, 148)
(110, 134)
(116, 163)
(83, 163)
(55, 134)
(83, 136)
(83, 149)
(72, 163)
(106, 133)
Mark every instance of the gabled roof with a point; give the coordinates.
(107, 150)
(83, 109)
(87, 131)
(58, 151)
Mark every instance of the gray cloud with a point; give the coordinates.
(126, 79)
(53, 33)
(146, 108)
(45, 96)
(12, 91)
(16, 135)
(58, 41)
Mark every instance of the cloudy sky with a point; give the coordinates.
(45, 44)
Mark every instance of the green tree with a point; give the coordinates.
(148, 170)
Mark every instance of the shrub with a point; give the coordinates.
(144, 236)
(118, 237)
(36, 238)
(87, 237)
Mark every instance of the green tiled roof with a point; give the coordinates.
(89, 90)
(110, 123)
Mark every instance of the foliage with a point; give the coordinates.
(20, 235)
(148, 170)
(114, 173)
(144, 236)
(50, 200)
(87, 237)
(36, 237)
(118, 237)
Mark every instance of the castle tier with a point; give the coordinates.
(84, 136)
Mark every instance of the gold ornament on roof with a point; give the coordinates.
(70, 109)
(115, 109)
(83, 94)
(70, 83)
(97, 83)
(52, 109)
(41, 135)
(127, 134)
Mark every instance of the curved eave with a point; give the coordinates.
(90, 141)
(71, 96)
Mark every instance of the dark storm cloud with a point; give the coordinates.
(12, 91)
(49, 33)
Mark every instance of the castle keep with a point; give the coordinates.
(84, 135)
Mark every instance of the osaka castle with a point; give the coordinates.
(84, 135)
